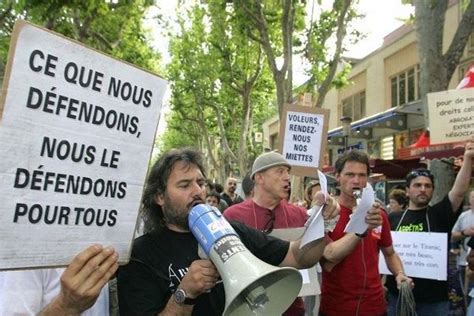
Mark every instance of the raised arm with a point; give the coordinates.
(461, 184)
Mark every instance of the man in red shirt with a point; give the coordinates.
(351, 282)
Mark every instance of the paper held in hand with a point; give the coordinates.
(315, 223)
(357, 222)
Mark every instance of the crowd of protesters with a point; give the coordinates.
(166, 276)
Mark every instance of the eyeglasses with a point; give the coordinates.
(268, 228)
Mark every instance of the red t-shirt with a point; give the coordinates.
(354, 286)
(286, 215)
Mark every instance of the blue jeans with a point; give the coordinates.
(440, 308)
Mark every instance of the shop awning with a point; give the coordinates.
(390, 118)
(436, 151)
(447, 153)
(396, 168)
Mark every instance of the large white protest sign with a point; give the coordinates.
(424, 255)
(304, 136)
(76, 137)
(451, 115)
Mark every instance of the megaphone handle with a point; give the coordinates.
(202, 253)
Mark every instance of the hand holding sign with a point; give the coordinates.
(83, 280)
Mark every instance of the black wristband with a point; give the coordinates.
(363, 235)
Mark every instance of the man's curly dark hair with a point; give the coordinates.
(157, 180)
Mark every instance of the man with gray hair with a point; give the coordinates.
(269, 208)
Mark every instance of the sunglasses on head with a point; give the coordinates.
(419, 173)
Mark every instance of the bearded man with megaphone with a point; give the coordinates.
(166, 275)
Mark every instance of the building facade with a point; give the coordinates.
(383, 103)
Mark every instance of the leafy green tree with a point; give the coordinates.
(279, 26)
(114, 28)
(219, 81)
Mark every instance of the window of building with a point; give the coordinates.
(354, 106)
(386, 147)
(274, 141)
(405, 86)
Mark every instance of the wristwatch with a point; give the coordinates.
(363, 234)
(181, 298)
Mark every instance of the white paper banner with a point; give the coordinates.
(424, 255)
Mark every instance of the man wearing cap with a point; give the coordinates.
(431, 296)
(268, 208)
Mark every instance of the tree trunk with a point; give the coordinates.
(429, 23)
(444, 176)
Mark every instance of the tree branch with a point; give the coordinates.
(340, 34)
(454, 53)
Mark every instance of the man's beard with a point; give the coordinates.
(175, 215)
(421, 203)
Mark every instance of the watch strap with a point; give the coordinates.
(363, 235)
(189, 301)
(179, 294)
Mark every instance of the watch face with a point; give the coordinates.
(180, 296)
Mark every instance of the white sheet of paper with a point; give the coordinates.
(315, 227)
(323, 183)
(357, 222)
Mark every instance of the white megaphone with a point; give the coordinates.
(252, 287)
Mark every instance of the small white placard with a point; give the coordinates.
(303, 135)
(424, 255)
(454, 111)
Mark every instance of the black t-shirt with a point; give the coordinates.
(441, 218)
(160, 260)
(229, 200)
